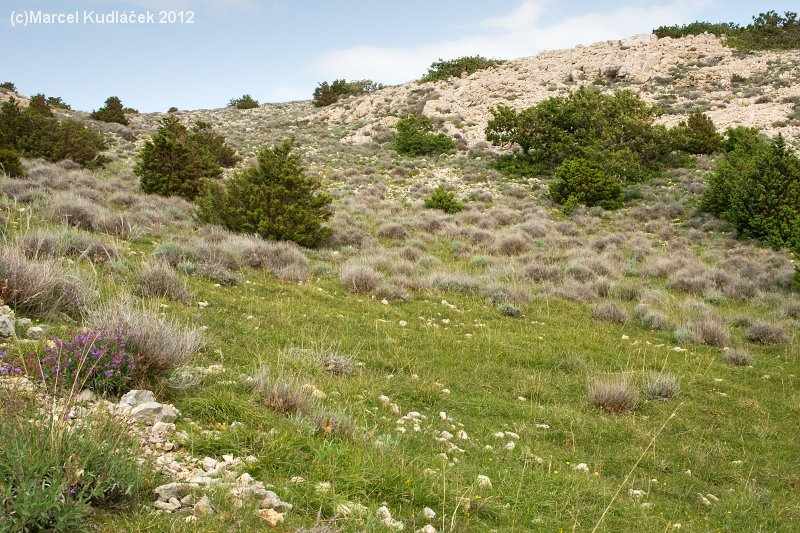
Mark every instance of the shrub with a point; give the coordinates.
(172, 109)
(35, 134)
(8, 86)
(584, 181)
(768, 31)
(509, 309)
(613, 394)
(243, 102)
(40, 288)
(337, 364)
(444, 200)
(95, 360)
(10, 164)
(326, 94)
(738, 358)
(616, 131)
(756, 187)
(359, 276)
(698, 135)
(274, 199)
(173, 162)
(660, 386)
(112, 111)
(462, 66)
(160, 344)
(415, 137)
(766, 333)
(56, 101)
(203, 135)
(38, 105)
(53, 476)
(711, 332)
(609, 312)
(159, 280)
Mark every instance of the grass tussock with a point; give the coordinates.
(162, 344)
(160, 281)
(41, 288)
(615, 395)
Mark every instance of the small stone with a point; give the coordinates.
(581, 467)
(351, 509)
(166, 506)
(35, 333)
(162, 428)
(85, 396)
(384, 516)
(209, 464)
(297, 479)
(189, 519)
(272, 517)
(483, 481)
(137, 397)
(636, 493)
(7, 326)
(510, 446)
(172, 490)
(203, 507)
(324, 486)
(429, 513)
(427, 528)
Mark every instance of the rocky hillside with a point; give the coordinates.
(755, 89)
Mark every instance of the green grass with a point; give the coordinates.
(502, 359)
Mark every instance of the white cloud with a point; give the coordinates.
(516, 34)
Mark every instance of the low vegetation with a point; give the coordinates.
(768, 31)
(112, 111)
(330, 93)
(456, 68)
(415, 136)
(243, 102)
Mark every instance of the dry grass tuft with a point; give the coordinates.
(660, 386)
(738, 357)
(610, 312)
(615, 395)
(766, 333)
(42, 287)
(160, 281)
(161, 344)
(358, 276)
(712, 332)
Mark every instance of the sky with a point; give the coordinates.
(279, 50)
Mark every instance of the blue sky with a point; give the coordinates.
(278, 50)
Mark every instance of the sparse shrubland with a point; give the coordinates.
(416, 352)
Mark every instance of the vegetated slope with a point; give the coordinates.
(509, 367)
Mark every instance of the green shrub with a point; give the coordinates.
(768, 31)
(172, 109)
(243, 102)
(466, 65)
(176, 162)
(203, 134)
(617, 130)
(56, 101)
(10, 164)
(9, 86)
(274, 199)
(53, 477)
(586, 182)
(444, 200)
(112, 111)
(756, 187)
(698, 135)
(38, 105)
(330, 93)
(415, 137)
(35, 133)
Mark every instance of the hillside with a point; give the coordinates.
(428, 371)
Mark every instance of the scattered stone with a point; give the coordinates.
(137, 397)
(272, 517)
(483, 481)
(35, 333)
(85, 396)
(636, 493)
(429, 513)
(581, 467)
(385, 516)
(202, 507)
(7, 327)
